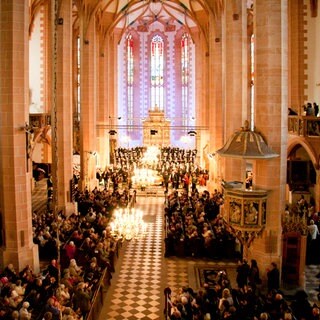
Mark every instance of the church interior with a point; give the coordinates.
(154, 148)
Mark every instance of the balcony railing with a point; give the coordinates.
(306, 126)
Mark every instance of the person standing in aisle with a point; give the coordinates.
(273, 276)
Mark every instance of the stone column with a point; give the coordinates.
(215, 108)
(62, 148)
(296, 25)
(88, 97)
(102, 111)
(17, 245)
(106, 115)
(107, 107)
(201, 100)
(271, 105)
(235, 80)
(112, 81)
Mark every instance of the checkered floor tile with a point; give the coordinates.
(136, 287)
(39, 196)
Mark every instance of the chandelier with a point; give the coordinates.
(128, 224)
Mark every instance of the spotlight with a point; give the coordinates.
(192, 133)
(112, 132)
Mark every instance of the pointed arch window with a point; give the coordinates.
(185, 73)
(130, 74)
(157, 71)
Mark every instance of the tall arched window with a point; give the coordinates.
(129, 47)
(185, 67)
(157, 79)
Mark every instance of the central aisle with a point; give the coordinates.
(136, 287)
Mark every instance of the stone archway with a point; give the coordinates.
(302, 162)
(302, 171)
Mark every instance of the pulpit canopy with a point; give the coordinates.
(247, 144)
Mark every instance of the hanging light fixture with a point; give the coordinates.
(128, 224)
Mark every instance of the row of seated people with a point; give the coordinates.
(32, 295)
(170, 161)
(20, 291)
(194, 227)
(177, 154)
(134, 156)
(94, 207)
(218, 300)
(171, 171)
(87, 252)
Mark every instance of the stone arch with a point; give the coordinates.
(292, 144)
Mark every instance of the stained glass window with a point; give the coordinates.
(130, 73)
(185, 61)
(157, 71)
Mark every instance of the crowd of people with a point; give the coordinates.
(302, 212)
(82, 251)
(82, 241)
(311, 109)
(177, 168)
(244, 300)
(167, 156)
(195, 228)
(27, 295)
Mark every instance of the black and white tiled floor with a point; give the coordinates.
(135, 291)
(39, 196)
(312, 282)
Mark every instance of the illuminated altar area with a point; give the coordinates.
(147, 175)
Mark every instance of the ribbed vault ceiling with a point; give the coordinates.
(120, 14)
(128, 12)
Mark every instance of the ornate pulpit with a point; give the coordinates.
(246, 207)
(245, 212)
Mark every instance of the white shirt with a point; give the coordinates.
(313, 231)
